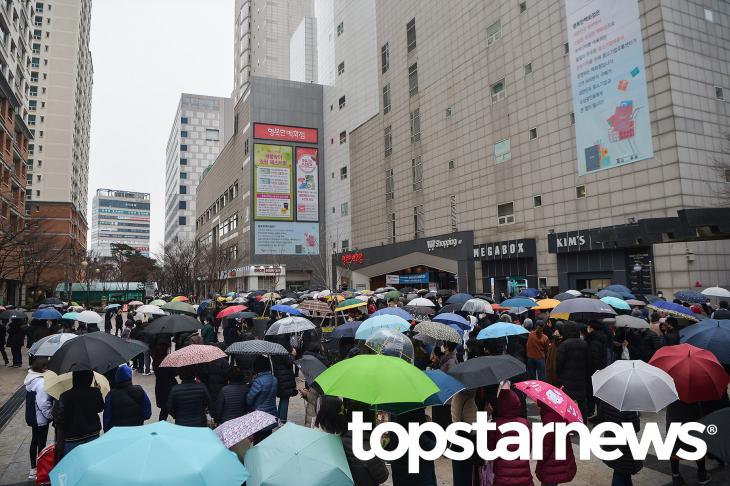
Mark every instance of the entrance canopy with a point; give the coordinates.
(411, 260)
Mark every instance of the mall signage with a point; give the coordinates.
(442, 243)
(500, 250)
(352, 258)
(284, 133)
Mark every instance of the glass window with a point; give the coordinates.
(528, 68)
(184, 133)
(417, 173)
(506, 213)
(497, 90)
(183, 161)
(343, 137)
(340, 28)
(415, 117)
(533, 133)
(719, 93)
(391, 228)
(502, 151)
(182, 205)
(537, 201)
(411, 34)
(183, 119)
(418, 223)
(183, 190)
(342, 102)
(183, 147)
(385, 57)
(345, 245)
(212, 134)
(494, 33)
(343, 173)
(183, 175)
(341, 68)
(344, 209)
(388, 140)
(389, 185)
(413, 79)
(580, 192)
(182, 220)
(386, 98)
(452, 213)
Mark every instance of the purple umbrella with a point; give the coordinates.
(234, 431)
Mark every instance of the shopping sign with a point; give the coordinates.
(284, 133)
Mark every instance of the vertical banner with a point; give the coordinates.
(610, 101)
(273, 182)
(307, 184)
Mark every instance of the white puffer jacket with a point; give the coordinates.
(43, 401)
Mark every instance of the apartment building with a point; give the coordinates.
(492, 163)
(119, 217)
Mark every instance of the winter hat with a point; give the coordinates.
(124, 373)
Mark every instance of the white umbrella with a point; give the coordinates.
(420, 301)
(716, 292)
(634, 386)
(48, 345)
(289, 325)
(631, 321)
(476, 306)
(150, 309)
(577, 293)
(89, 317)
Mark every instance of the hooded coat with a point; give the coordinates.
(514, 472)
(126, 404)
(43, 402)
(79, 408)
(551, 470)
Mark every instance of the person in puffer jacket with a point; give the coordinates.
(43, 410)
(262, 394)
(514, 472)
(125, 404)
(551, 471)
(188, 400)
(231, 401)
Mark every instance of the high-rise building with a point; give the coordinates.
(303, 52)
(119, 217)
(201, 127)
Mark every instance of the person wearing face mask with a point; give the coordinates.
(448, 360)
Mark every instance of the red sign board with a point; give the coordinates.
(285, 133)
(350, 258)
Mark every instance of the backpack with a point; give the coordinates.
(30, 409)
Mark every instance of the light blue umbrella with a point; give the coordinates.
(394, 311)
(47, 314)
(157, 454)
(623, 290)
(500, 330)
(287, 309)
(616, 303)
(298, 455)
(71, 316)
(518, 302)
(385, 321)
(111, 306)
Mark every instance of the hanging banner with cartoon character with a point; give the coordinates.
(307, 184)
(610, 101)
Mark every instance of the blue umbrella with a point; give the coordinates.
(459, 298)
(371, 325)
(500, 330)
(609, 293)
(448, 387)
(453, 320)
(287, 309)
(346, 330)
(203, 306)
(529, 292)
(621, 289)
(616, 303)
(673, 309)
(519, 302)
(710, 334)
(691, 296)
(111, 306)
(71, 316)
(394, 311)
(47, 314)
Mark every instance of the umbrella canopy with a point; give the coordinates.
(346, 330)
(390, 342)
(452, 319)
(717, 443)
(47, 314)
(564, 296)
(621, 289)
(234, 431)
(697, 373)
(419, 313)
(691, 296)
(47, 346)
(270, 296)
(634, 386)
(631, 321)
(439, 331)
(588, 291)
(173, 324)
(89, 317)
(582, 309)
(182, 298)
(256, 347)
(529, 292)
(162, 454)
(477, 306)
(609, 293)
(421, 302)
(350, 304)
(375, 379)
(451, 308)
(70, 316)
(158, 302)
(290, 325)
(55, 384)
(385, 321)
(392, 294)
(459, 298)
(311, 367)
(381, 290)
(135, 303)
(150, 309)
(673, 309)
(635, 302)
(518, 302)
(710, 334)
(13, 314)
(575, 293)
(448, 387)
(553, 397)
(546, 304)
(230, 310)
(112, 307)
(716, 292)
(286, 309)
(192, 355)
(298, 455)
(500, 330)
(241, 315)
(616, 303)
(180, 308)
(394, 311)
(97, 351)
(487, 370)
(203, 306)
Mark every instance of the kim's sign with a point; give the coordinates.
(501, 250)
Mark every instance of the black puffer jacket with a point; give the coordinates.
(284, 373)
(214, 375)
(187, 403)
(572, 364)
(127, 406)
(598, 345)
(164, 381)
(626, 463)
(16, 334)
(79, 408)
(231, 402)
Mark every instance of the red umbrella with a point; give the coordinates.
(697, 373)
(553, 397)
(231, 310)
(192, 355)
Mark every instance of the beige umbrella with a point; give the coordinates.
(56, 384)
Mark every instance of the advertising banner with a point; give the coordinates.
(610, 101)
(284, 133)
(410, 278)
(273, 182)
(280, 238)
(307, 184)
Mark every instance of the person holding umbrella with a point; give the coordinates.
(125, 404)
(624, 466)
(231, 401)
(188, 400)
(78, 411)
(108, 321)
(262, 394)
(515, 472)
(38, 410)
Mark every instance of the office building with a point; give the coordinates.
(119, 217)
(303, 52)
(200, 129)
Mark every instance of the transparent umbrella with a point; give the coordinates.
(391, 343)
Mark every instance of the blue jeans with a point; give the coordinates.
(536, 366)
(621, 479)
(69, 446)
(283, 408)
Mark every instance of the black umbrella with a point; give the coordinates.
(9, 315)
(241, 315)
(346, 330)
(564, 296)
(451, 308)
(419, 312)
(717, 443)
(172, 324)
(311, 367)
(140, 346)
(589, 291)
(96, 351)
(51, 301)
(487, 370)
(256, 347)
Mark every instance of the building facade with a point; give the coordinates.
(119, 217)
(303, 52)
(476, 132)
(200, 129)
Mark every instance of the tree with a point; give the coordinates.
(177, 270)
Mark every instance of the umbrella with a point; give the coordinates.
(716, 292)
(13, 314)
(350, 304)
(588, 292)
(609, 293)
(634, 386)
(111, 306)
(459, 298)
(47, 346)
(500, 330)
(150, 309)
(96, 351)
(691, 296)
(346, 330)
(139, 346)
(89, 317)
(192, 355)
(52, 301)
(47, 314)
(635, 302)
(256, 347)
(575, 293)
(160, 454)
(55, 384)
(487, 370)
(70, 316)
(311, 368)
(717, 443)
(241, 315)
(298, 455)
(179, 307)
(230, 310)
(315, 306)
(451, 308)
(553, 397)
(270, 296)
(439, 331)
(673, 309)
(394, 311)
(290, 325)
(477, 306)
(582, 309)
(181, 298)
(421, 302)
(631, 321)
(529, 292)
(391, 295)
(234, 431)
(518, 302)
(564, 296)
(386, 321)
(710, 334)
(419, 313)
(173, 324)
(390, 342)
(621, 289)
(135, 303)
(75, 308)
(381, 290)
(203, 306)
(158, 302)
(453, 319)
(375, 379)
(547, 304)
(697, 373)
(616, 303)
(286, 309)
(448, 387)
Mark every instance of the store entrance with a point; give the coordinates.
(418, 277)
(594, 282)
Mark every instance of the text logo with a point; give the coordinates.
(431, 245)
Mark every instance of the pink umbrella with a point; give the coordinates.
(553, 397)
(192, 355)
(235, 430)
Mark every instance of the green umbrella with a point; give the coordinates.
(393, 294)
(350, 304)
(375, 379)
(298, 455)
(179, 307)
(158, 302)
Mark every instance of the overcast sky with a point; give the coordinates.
(147, 52)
